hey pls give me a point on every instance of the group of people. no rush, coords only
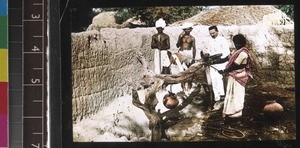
(236, 65)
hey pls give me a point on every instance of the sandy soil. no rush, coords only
(121, 121)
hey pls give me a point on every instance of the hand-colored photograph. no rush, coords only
(183, 73)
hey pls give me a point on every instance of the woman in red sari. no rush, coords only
(238, 70)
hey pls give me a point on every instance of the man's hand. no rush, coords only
(208, 62)
(221, 71)
(193, 61)
(182, 34)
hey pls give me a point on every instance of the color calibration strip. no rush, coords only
(3, 74)
(15, 42)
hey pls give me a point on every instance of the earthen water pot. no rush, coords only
(272, 110)
(170, 101)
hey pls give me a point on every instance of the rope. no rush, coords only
(226, 130)
(232, 132)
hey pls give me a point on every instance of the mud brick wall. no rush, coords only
(103, 64)
(104, 61)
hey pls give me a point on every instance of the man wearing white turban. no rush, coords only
(186, 43)
(161, 43)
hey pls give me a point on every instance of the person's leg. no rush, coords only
(234, 102)
(209, 90)
(217, 84)
(156, 61)
(218, 88)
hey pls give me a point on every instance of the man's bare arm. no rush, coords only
(179, 41)
(153, 43)
(194, 48)
(168, 43)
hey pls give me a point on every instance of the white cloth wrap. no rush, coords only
(216, 80)
(234, 99)
(159, 63)
(187, 55)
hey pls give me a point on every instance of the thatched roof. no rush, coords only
(238, 15)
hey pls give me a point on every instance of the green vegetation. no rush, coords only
(150, 14)
(82, 17)
(287, 9)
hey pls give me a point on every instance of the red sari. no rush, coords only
(241, 79)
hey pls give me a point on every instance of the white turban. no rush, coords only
(160, 23)
(187, 25)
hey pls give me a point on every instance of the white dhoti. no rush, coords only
(216, 80)
(161, 59)
(234, 99)
(187, 55)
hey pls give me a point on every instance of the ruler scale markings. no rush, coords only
(33, 117)
(16, 42)
(36, 146)
(37, 101)
(38, 4)
(15, 26)
(37, 68)
(36, 52)
(15, 89)
(33, 83)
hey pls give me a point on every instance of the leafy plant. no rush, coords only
(287, 9)
(149, 15)
(123, 14)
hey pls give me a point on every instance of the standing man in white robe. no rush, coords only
(216, 45)
(161, 44)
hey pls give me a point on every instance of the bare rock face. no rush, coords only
(104, 20)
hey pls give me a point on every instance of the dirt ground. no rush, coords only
(254, 125)
(198, 125)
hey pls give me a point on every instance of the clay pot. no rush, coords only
(170, 101)
(272, 110)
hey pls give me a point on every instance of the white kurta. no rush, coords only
(217, 46)
(163, 61)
